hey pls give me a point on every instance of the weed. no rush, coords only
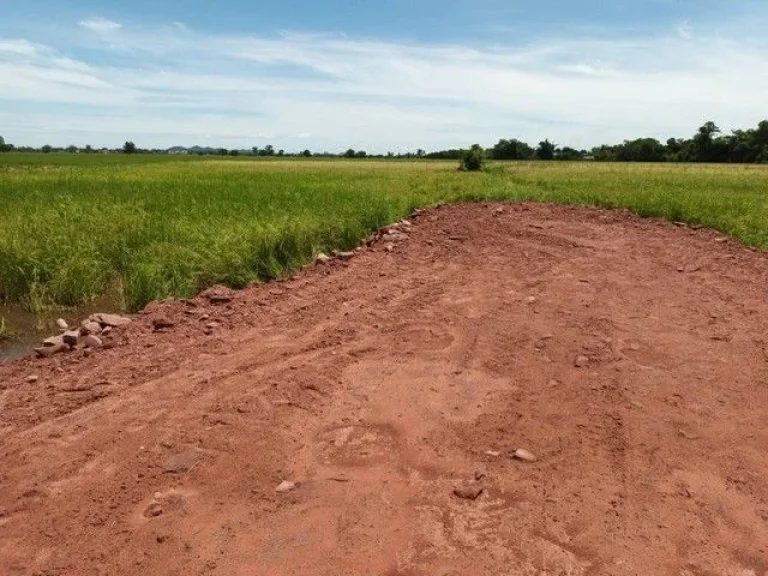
(6, 332)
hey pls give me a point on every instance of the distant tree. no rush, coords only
(255, 150)
(674, 149)
(708, 129)
(546, 150)
(702, 143)
(760, 136)
(129, 148)
(269, 150)
(88, 149)
(234, 152)
(281, 152)
(642, 150)
(2, 141)
(511, 150)
(361, 154)
(473, 160)
(306, 153)
(569, 154)
(349, 153)
(47, 149)
(420, 153)
(221, 152)
(72, 149)
(5, 147)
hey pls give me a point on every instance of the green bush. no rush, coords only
(473, 160)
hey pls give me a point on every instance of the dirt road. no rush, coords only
(385, 392)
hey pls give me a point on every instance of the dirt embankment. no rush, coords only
(384, 396)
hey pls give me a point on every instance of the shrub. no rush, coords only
(473, 160)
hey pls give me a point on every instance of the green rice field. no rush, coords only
(131, 229)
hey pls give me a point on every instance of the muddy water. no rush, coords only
(28, 330)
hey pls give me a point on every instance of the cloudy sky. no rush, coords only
(375, 75)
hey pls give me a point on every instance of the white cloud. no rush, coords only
(685, 30)
(332, 92)
(100, 25)
(19, 47)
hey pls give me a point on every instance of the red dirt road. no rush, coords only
(381, 385)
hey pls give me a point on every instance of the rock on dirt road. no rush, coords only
(395, 386)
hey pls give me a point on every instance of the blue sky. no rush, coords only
(377, 75)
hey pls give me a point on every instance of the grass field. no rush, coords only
(136, 228)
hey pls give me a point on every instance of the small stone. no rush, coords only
(218, 295)
(112, 320)
(32, 378)
(680, 269)
(106, 330)
(180, 463)
(688, 435)
(161, 538)
(91, 341)
(530, 300)
(389, 247)
(322, 258)
(211, 325)
(493, 453)
(47, 351)
(524, 455)
(345, 255)
(153, 510)
(90, 327)
(721, 239)
(394, 236)
(498, 211)
(468, 492)
(54, 341)
(285, 486)
(62, 324)
(70, 338)
(581, 361)
(160, 324)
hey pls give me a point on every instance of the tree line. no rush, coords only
(708, 144)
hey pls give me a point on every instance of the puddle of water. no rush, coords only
(29, 330)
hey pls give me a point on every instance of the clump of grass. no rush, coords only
(6, 332)
(149, 227)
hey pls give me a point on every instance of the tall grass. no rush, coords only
(6, 332)
(138, 228)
